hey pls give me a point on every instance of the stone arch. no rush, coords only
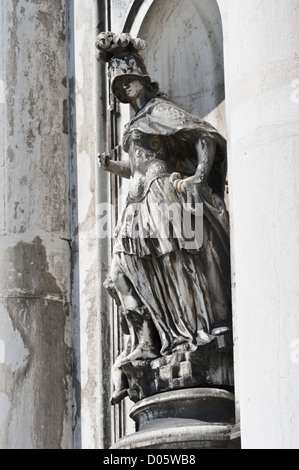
(184, 53)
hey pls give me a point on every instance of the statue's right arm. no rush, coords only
(122, 169)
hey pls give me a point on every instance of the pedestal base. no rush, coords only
(198, 418)
(211, 365)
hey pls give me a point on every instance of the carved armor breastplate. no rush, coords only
(144, 175)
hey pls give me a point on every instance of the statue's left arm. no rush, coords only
(205, 148)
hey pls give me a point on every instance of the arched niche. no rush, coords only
(184, 52)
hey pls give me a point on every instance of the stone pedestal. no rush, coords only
(194, 418)
(211, 365)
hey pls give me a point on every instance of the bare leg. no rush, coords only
(123, 288)
(119, 380)
(144, 339)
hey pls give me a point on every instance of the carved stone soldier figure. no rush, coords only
(173, 290)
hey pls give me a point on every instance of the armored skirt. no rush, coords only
(173, 248)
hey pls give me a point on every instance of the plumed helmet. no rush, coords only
(121, 52)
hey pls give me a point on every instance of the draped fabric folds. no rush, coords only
(183, 282)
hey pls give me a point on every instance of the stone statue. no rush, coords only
(170, 273)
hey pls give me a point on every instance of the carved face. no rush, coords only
(128, 89)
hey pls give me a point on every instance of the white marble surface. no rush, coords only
(261, 63)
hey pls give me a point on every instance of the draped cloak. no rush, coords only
(185, 286)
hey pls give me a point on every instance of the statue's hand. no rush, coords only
(183, 184)
(104, 159)
(178, 182)
(175, 178)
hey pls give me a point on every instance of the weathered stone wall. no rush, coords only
(35, 326)
(92, 320)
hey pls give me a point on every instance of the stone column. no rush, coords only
(35, 326)
(262, 73)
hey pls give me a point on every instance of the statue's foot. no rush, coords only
(143, 352)
(222, 330)
(118, 396)
(184, 347)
